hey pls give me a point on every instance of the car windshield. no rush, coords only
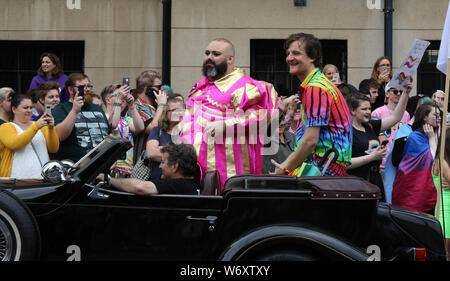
(91, 154)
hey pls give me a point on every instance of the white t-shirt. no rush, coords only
(27, 162)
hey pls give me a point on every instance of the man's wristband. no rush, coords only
(159, 104)
(117, 104)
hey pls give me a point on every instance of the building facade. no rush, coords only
(110, 39)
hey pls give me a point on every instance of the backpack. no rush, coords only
(397, 152)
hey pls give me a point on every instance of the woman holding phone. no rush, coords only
(26, 143)
(367, 151)
(382, 73)
(332, 73)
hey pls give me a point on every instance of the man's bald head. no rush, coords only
(230, 46)
(219, 59)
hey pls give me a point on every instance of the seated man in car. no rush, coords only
(178, 165)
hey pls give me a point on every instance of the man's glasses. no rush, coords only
(386, 65)
(176, 110)
(157, 87)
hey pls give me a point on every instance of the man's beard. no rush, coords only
(88, 98)
(214, 71)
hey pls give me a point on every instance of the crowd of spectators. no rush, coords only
(61, 117)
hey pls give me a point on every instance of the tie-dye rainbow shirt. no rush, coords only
(323, 105)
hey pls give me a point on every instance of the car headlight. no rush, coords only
(54, 171)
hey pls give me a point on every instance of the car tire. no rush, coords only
(19, 233)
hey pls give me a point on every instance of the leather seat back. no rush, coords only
(210, 183)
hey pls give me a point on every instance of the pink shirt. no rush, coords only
(383, 112)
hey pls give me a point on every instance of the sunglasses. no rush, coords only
(396, 92)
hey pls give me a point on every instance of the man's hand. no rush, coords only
(279, 168)
(409, 85)
(161, 97)
(214, 128)
(100, 176)
(292, 107)
(78, 103)
(281, 105)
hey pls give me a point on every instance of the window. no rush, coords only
(268, 62)
(20, 60)
(429, 79)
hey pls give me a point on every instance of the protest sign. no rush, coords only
(409, 65)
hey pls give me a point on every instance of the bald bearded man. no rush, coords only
(226, 114)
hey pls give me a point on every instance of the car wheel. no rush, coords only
(19, 234)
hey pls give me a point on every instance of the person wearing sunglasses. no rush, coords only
(393, 96)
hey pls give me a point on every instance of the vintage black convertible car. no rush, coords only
(69, 216)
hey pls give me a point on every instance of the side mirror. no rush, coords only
(54, 172)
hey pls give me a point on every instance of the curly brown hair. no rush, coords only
(44, 88)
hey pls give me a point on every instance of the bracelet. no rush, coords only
(117, 104)
(159, 104)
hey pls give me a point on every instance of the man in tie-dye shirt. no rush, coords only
(326, 120)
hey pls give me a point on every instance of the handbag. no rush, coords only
(311, 170)
(141, 169)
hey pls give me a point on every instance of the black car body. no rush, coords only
(256, 217)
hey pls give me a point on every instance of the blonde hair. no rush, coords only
(164, 121)
(4, 92)
(328, 66)
(146, 79)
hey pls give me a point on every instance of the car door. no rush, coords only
(124, 226)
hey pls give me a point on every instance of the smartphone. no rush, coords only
(335, 77)
(81, 91)
(384, 143)
(126, 81)
(48, 108)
